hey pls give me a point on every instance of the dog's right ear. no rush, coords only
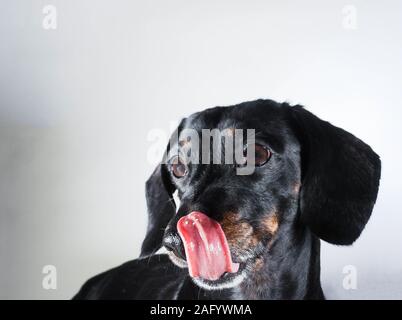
(161, 208)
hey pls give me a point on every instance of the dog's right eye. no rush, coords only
(178, 167)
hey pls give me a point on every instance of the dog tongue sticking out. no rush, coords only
(207, 251)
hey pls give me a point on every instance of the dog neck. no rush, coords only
(289, 269)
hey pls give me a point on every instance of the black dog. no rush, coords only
(311, 181)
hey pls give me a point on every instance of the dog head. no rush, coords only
(306, 174)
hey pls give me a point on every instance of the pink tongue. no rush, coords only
(207, 251)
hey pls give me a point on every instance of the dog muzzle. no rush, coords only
(207, 250)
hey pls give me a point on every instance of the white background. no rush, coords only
(77, 104)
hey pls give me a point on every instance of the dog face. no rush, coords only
(307, 174)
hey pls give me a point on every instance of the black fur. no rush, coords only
(161, 208)
(320, 183)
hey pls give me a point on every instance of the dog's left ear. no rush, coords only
(340, 178)
(161, 208)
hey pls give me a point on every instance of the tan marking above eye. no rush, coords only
(229, 132)
(183, 143)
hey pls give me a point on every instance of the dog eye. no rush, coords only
(262, 154)
(178, 167)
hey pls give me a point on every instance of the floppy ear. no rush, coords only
(161, 208)
(340, 178)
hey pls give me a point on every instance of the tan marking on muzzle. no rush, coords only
(271, 223)
(239, 234)
(258, 264)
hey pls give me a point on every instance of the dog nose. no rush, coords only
(172, 242)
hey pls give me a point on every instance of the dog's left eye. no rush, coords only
(178, 167)
(261, 154)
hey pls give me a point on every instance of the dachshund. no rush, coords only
(248, 236)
